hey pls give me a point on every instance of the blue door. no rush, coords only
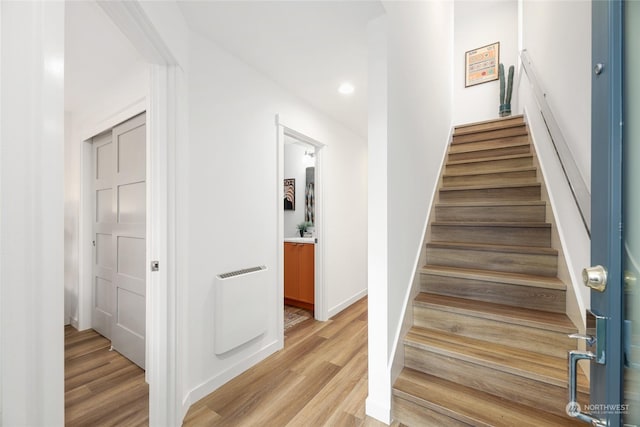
(615, 207)
(631, 211)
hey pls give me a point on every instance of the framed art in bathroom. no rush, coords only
(290, 194)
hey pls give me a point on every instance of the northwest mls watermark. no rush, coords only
(574, 408)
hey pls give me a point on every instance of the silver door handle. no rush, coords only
(573, 407)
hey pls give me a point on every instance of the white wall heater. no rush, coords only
(240, 307)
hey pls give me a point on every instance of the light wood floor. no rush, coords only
(102, 388)
(319, 379)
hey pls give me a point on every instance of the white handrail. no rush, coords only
(579, 189)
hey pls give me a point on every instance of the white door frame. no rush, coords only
(165, 125)
(320, 305)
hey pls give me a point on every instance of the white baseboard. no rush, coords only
(219, 380)
(346, 303)
(380, 412)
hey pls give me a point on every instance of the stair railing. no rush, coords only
(579, 189)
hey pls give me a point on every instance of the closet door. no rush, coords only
(120, 246)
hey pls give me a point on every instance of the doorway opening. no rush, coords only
(299, 231)
(301, 234)
(154, 85)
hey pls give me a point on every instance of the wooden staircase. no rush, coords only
(488, 345)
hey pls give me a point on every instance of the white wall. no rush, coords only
(476, 24)
(31, 213)
(561, 57)
(409, 151)
(233, 201)
(557, 35)
(295, 166)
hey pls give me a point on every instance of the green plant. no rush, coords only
(303, 226)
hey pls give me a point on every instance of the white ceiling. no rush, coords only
(307, 47)
(96, 53)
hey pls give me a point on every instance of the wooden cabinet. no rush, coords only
(299, 274)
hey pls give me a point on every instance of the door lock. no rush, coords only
(595, 278)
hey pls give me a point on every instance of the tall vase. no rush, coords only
(505, 110)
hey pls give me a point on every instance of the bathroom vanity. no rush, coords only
(299, 272)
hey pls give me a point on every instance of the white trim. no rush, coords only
(321, 311)
(378, 411)
(85, 233)
(346, 303)
(222, 378)
(137, 107)
(165, 126)
(280, 236)
(134, 23)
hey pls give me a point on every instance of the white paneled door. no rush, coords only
(119, 287)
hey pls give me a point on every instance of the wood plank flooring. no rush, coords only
(318, 379)
(102, 388)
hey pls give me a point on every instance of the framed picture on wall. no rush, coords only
(290, 194)
(481, 64)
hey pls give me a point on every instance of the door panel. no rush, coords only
(120, 247)
(631, 206)
(104, 221)
(129, 290)
(307, 273)
(606, 203)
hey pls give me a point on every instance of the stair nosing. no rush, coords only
(490, 203)
(540, 250)
(494, 311)
(466, 129)
(457, 128)
(461, 145)
(484, 122)
(489, 159)
(458, 411)
(523, 224)
(490, 186)
(554, 367)
(517, 279)
(495, 171)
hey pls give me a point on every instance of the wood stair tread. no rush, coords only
(489, 186)
(489, 172)
(490, 203)
(468, 405)
(557, 322)
(496, 276)
(538, 367)
(493, 248)
(492, 224)
(489, 159)
(499, 123)
(494, 143)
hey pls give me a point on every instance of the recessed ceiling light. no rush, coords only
(346, 88)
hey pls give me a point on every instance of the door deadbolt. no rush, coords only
(595, 278)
